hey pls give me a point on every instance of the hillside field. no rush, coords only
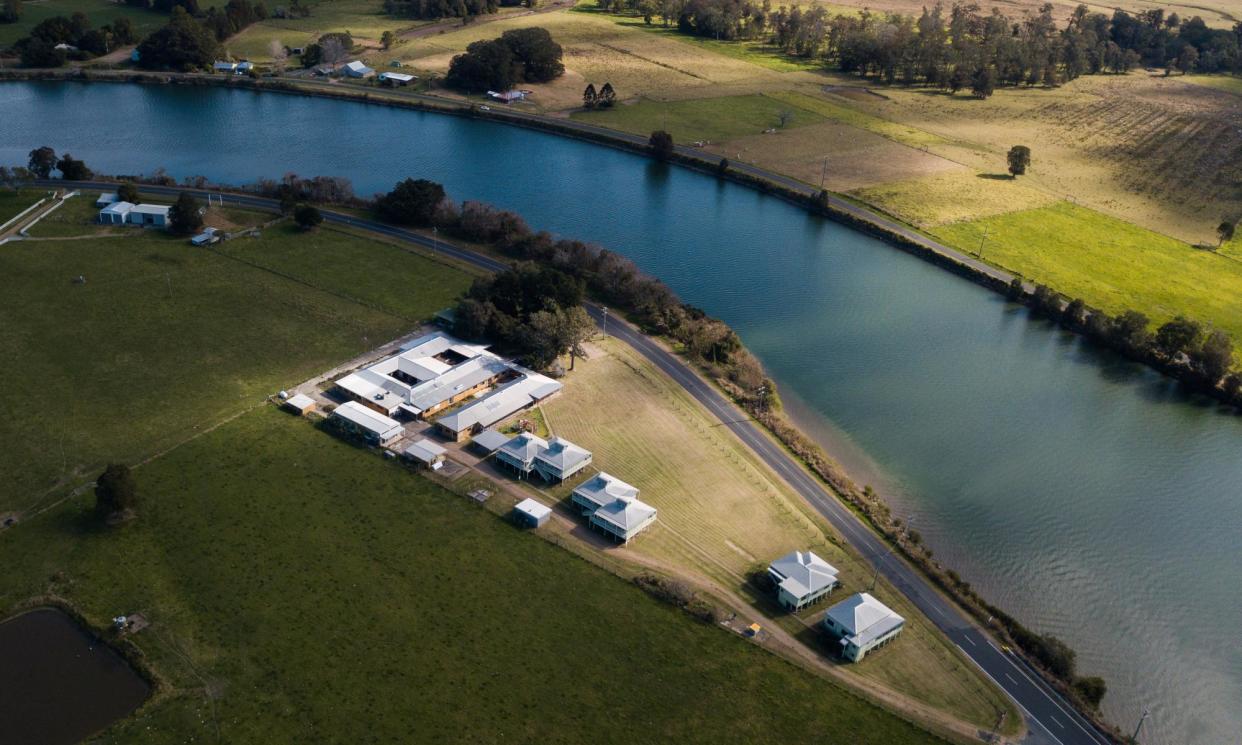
(297, 586)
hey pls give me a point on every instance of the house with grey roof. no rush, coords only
(371, 426)
(427, 453)
(560, 460)
(613, 506)
(802, 578)
(862, 624)
(519, 453)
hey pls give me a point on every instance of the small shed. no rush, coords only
(221, 66)
(205, 238)
(155, 215)
(301, 403)
(106, 199)
(116, 213)
(244, 67)
(426, 452)
(357, 69)
(531, 513)
(396, 78)
(489, 441)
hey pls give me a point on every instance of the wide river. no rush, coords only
(1081, 492)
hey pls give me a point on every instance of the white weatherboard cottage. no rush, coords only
(560, 460)
(862, 623)
(613, 506)
(802, 578)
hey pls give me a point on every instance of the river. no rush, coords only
(1084, 493)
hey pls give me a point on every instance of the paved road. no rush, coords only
(1050, 719)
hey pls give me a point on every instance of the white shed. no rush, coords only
(426, 452)
(154, 215)
(357, 69)
(532, 513)
(301, 403)
(116, 213)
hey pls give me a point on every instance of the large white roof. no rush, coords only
(802, 573)
(150, 209)
(562, 454)
(368, 419)
(425, 450)
(626, 513)
(524, 446)
(864, 618)
(117, 208)
(500, 403)
(605, 488)
(534, 509)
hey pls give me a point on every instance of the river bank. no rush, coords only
(847, 212)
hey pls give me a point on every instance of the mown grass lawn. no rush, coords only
(1111, 264)
(304, 590)
(1228, 83)
(164, 339)
(14, 201)
(99, 12)
(712, 119)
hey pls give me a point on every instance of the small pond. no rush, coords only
(59, 683)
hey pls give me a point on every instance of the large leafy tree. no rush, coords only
(72, 169)
(661, 144)
(184, 44)
(184, 217)
(42, 161)
(1019, 158)
(411, 202)
(536, 52)
(115, 490)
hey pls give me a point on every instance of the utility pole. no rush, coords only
(979, 253)
(605, 324)
(1139, 728)
(823, 176)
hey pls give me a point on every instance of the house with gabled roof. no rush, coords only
(560, 460)
(862, 624)
(802, 578)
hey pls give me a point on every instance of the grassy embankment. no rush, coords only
(1111, 264)
(14, 201)
(724, 514)
(99, 12)
(298, 586)
(165, 340)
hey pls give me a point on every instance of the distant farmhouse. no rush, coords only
(357, 69)
(127, 213)
(862, 624)
(612, 506)
(437, 372)
(802, 578)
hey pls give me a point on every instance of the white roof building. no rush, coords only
(222, 66)
(613, 506)
(398, 78)
(106, 199)
(863, 623)
(801, 578)
(300, 403)
(520, 452)
(426, 452)
(148, 214)
(115, 213)
(499, 404)
(560, 460)
(490, 440)
(370, 425)
(532, 513)
(357, 69)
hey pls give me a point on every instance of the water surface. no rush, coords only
(58, 684)
(1084, 493)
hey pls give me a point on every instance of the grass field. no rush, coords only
(99, 12)
(954, 197)
(1228, 83)
(14, 201)
(713, 119)
(298, 586)
(365, 20)
(162, 327)
(722, 514)
(1109, 263)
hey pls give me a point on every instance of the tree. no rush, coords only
(115, 490)
(1129, 331)
(607, 96)
(661, 144)
(387, 40)
(589, 96)
(42, 161)
(1075, 313)
(39, 53)
(1224, 231)
(722, 167)
(123, 32)
(184, 44)
(127, 192)
(560, 331)
(73, 170)
(1187, 60)
(959, 79)
(983, 82)
(1019, 160)
(1177, 336)
(536, 52)
(184, 217)
(784, 117)
(1215, 355)
(486, 65)
(411, 202)
(1091, 689)
(11, 11)
(307, 216)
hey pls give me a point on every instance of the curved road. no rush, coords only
(1051, 720)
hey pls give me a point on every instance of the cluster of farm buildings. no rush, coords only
(462, 391)
(457, 392)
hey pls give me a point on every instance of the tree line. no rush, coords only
(961, 47)
(39, 48)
